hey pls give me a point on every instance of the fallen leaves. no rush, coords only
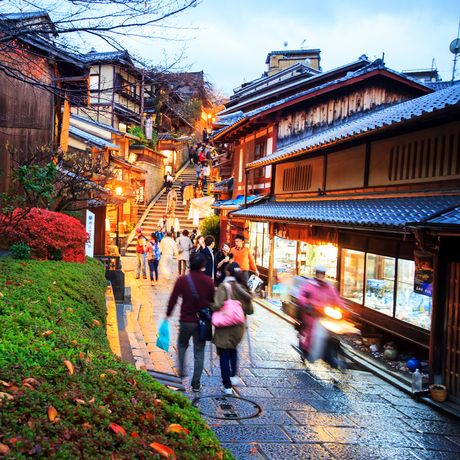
(117, 429)
(52, 413)
(163, 450)
(47, 333)
(5, 396)
(176, 428)
(70, 366)
(96, 323)
(49, 300)
(4, 449)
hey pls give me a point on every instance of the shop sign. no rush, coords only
(423, 275)
(90, 221)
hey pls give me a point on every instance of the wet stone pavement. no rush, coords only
(304, 412)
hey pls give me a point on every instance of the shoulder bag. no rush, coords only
(203, 315)
(231, 312)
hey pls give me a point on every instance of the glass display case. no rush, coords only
(311, 255)
(380, 283)
(259, 242)
(411, 306)
(352, 275)
(284, 266)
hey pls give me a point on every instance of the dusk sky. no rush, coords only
(232, 38)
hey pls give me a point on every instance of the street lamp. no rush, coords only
(118, 192)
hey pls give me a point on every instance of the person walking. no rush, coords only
(223, 257)
(198, 244)
(243, 257)
(197, 291)
(172, 223)
(159, 233)
(153, 258)
(184, 246)
(168, 251)
(208, 252)
(227, 339)
(162, 222)
(171, 201)
(141, 254)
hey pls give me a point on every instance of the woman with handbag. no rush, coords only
(231, 297)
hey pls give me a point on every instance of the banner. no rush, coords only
(423, 275)
(89, 246)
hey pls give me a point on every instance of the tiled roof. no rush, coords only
(238, 201)
(91, 139)
(438, 85)
(450, 217)
(376, 65)
(23, 15)
(109, 56)
(369, 123)
(96, 123)
(292, 83)
(367, 212)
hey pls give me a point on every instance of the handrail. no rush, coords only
(150, 206)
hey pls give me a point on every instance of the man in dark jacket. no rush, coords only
(208, 252)
(197, 292)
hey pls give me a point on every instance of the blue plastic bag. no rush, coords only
(163, 336)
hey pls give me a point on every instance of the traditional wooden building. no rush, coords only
(39, 82)
(360, 173)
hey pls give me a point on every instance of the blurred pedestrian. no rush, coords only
(141, 254)
(184, 246)
(159, 233)
(197, 291)
(168, 253)
(243, 257)
(223, 257)
(228, 338)
(153, 258)
(198, 244)
(171, 201)
(208, 253)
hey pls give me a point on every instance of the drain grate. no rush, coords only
(227, 407)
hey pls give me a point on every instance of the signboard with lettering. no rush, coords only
(90, 223)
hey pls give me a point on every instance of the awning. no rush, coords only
(91, 139)
(127, 164)
(395, 212)
(237, 202)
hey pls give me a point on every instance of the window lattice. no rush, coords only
(297, 178)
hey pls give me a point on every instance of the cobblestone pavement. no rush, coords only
(305, 414)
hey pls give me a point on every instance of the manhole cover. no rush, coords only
(227, 407)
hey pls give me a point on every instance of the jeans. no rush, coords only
(187, 331)
(228, 358)
(183, 266)
(153, 267)
(141, 264)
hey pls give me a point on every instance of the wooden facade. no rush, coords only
(418, 158)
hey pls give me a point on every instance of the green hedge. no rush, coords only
(51, 312)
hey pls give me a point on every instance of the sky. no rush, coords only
(229, 40)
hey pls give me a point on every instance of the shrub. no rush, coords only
(211, 226)
(50, 235)
(63, 393)
(20, 251)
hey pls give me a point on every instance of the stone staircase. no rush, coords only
(150, 223)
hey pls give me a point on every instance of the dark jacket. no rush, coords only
(220, 272)
(231, 336)
(205, 289)
(210, 268)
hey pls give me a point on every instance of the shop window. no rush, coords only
(259, 243)
(380, 283)
(411, 306)
(311, 255)
(352, 275)
(284, 266)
